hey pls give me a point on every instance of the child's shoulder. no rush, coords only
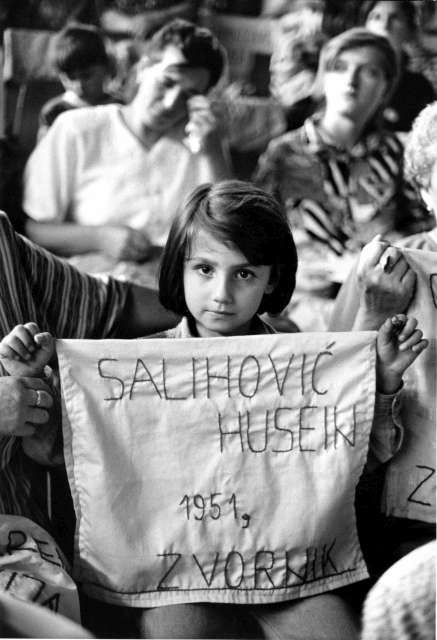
(179, 331)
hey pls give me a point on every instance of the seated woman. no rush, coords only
(398, 22)
(340, 174)
(108, 179)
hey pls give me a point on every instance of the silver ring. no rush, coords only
(38, 398)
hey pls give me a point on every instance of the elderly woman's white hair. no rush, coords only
(421, 147)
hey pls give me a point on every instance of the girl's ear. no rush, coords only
(273, 282)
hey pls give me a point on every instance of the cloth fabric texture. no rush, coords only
(323, 617)
(91, 169)
(36, 286)
(386, 434)
(401, 606)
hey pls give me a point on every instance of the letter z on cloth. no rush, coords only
(217, 470)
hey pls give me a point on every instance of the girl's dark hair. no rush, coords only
(238, 213)
(198, 45)
(407, 7)
(77, 47)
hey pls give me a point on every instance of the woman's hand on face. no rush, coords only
(205, 124)
(123, 243)
(24, 404)
(386, 280)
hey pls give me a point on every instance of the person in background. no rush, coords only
(84, 67)
(340, 174)
(294, 62)
(36, 284)
(367, 296)
(110, 178)
(398, 21)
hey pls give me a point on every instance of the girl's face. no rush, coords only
(355, 86)
(222, 290)
(387, 18)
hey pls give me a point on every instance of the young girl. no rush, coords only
(230, 256)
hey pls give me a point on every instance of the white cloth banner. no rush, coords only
(410, 487)
(217, 470)
(33, 568)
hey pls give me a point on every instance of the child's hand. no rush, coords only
(25, 351)
(397, 346)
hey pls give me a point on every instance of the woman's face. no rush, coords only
(355, 86)
(387, 18)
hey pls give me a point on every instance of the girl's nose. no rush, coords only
(222, 291)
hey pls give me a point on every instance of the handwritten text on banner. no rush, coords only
(217, 470)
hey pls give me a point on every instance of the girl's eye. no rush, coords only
(244, 274)
(204, 269)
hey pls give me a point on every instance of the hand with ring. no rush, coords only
(25, 405)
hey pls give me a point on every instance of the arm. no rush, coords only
(66, 238)
(68, 302)
(398, 345)
(143, 314)
(24, 353)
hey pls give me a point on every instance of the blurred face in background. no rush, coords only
(355, 86)
(387, 18)
(296, 49)
(165, 88)
(88, 83)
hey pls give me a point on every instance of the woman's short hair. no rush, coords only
(354, 39)
(77, 47)
(421, 147)
(198, 45)
(409, 9)
(237, 213)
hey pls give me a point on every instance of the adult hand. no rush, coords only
(205, 122)
(24, 404)
(123, 243)
(25, 351)
(386, 281)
